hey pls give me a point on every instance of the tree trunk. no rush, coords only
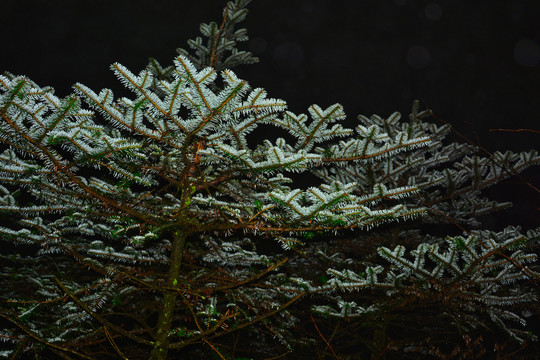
(169, 299)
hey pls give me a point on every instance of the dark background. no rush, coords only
(474, 63)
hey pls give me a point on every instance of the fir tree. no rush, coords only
(144, 226)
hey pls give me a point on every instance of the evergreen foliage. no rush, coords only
(145, 227)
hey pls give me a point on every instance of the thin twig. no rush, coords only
(322, 337)
(113, 344)
(516, 130)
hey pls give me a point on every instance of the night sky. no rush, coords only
(476, 64)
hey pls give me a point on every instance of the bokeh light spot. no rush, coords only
(289, 55)
(527, 53)
(433, 11)
(257, 45)
(418, 57)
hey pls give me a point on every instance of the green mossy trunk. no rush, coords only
(169, 299)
